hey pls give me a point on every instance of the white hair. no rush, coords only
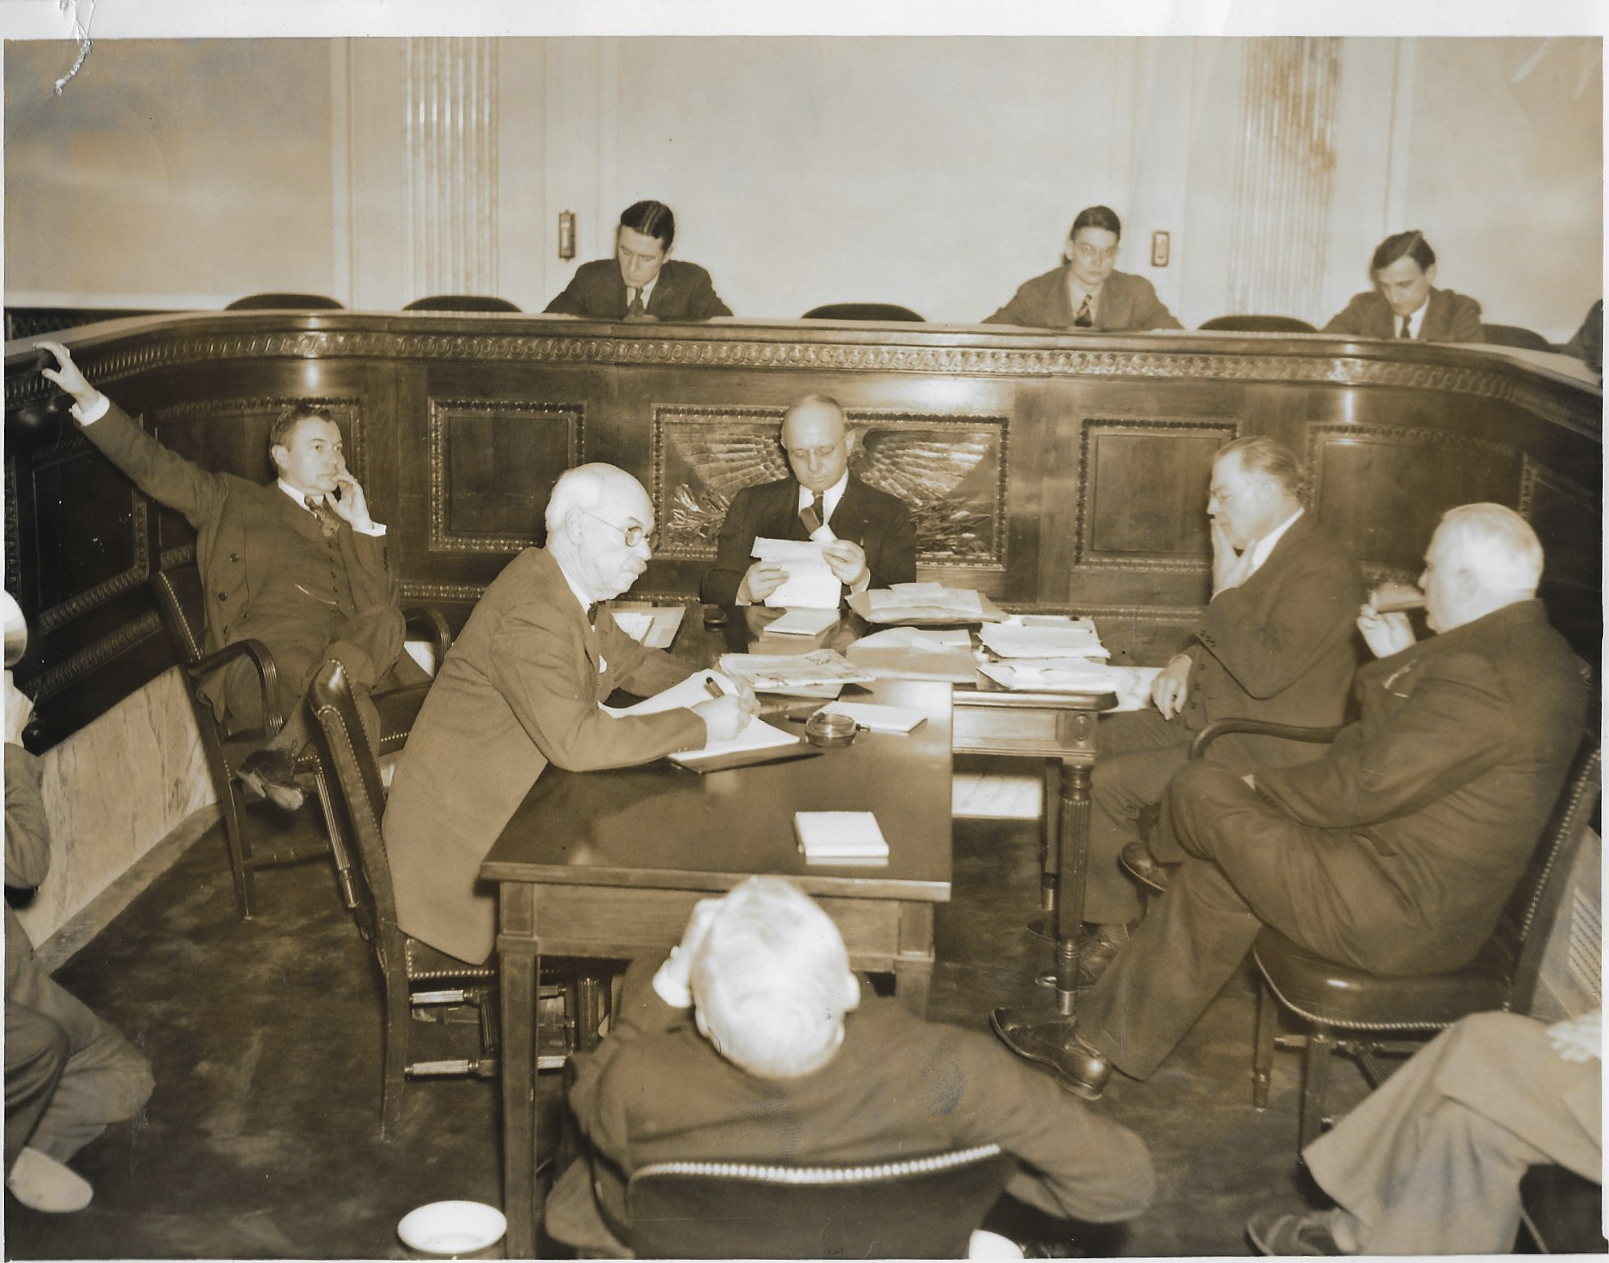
(586, 487)
(771, 981)
(1497, 545)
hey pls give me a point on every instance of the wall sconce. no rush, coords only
(566, 234)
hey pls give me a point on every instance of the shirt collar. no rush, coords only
(580, 596)
(646, 290)
(1263, 547)
(1416, 319)
(829, 498)
(1076, 290)
(300, 496)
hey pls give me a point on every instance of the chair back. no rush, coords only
(1257, 324)
(357, 794)
(178, 593)
(919, 1208)
(862, 311)
(1528, 917)
(1514, 335)
(283, 302)
(460, 302)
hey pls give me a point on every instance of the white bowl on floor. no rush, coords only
(455, 1230)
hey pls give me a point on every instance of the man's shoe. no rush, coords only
(1145, 868)
(1289, 1232)
(271, 774)
(1051, 1040)
(1098, 946)
(39, 1182)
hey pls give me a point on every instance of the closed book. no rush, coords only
(840, 837)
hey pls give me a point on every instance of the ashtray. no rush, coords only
(828, 729)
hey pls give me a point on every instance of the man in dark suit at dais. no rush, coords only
(1404, 303)
(642, 281)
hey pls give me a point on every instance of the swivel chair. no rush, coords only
(282, 302)
(861, 311)
(460, 302)
(1257, 324)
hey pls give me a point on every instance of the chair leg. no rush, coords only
(234, 828)
(338, 849)
(1262, 1057)
(1315, 1081)
(398, 1013)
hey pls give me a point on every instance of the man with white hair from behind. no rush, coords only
(752, 1042)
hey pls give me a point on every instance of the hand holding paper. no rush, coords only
(810, 581)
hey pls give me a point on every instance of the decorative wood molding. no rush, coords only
(57, 677)
(415, 591)
(1319, 435)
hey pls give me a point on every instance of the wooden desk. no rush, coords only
(610, 864)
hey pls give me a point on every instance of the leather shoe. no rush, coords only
(271, 774)
(1051, 1040)
(1309, 1233)
(1098, 946)
(1145, 868)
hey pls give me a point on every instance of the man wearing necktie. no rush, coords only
(642, 281)
(298, 563)
(1403, 303)
(868, 534)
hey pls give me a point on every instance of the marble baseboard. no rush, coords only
(112, 792)
(996, 796)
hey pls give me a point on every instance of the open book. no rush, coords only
(757, 735)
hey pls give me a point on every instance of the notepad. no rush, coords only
(840, 837)
(877, 717)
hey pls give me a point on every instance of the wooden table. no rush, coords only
(609, 865)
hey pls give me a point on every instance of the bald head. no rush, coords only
(599, 520)
(816, 438)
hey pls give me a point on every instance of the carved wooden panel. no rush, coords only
(1568, 520)
(950, 470)
(1382, 489)
(492, 464)
(1143, 493)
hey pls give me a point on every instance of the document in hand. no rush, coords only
(755, 735)
(810, 584)
(840, 837)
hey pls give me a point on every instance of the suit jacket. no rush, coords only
(1449, 317)
(878, 522)
(1126, 302)
(898, 1087)
(1282, 647)
(519, 689)
(682, 292)
(1441, 788)
(242, 532)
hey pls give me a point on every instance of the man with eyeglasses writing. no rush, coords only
(520, 689)
(1085, 292)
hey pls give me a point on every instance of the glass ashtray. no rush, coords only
(828, 729)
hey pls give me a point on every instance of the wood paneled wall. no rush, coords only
(1049, 471)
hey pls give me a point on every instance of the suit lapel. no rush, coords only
(1062, 300)
(664, 287)
(1112, 312)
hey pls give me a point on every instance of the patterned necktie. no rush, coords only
(636, 308)
(1086, 315)
(327, 521)
(1402, 327)
(812, 515)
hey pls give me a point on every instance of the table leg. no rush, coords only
(1077, 734)
(1050, 836)
(913, 967)
(519, 966)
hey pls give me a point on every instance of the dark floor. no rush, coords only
(262, 1137)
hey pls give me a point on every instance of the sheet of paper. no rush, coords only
(810, 584)
(655, 627)
(802, 622)
(915, 603)
(909, 653)
(755, 735)
(783, 672)
(877, 717)
(1075, 638)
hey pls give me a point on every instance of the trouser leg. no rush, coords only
(36, 1055)
(1139, 754)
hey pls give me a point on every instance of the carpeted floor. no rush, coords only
(262, 1137)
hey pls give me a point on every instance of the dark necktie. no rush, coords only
(327, 521)
(1086, 315)
(636, 308)
(1402, 327)
(812, 515)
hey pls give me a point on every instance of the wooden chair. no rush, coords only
(1257, 324)
(460, 302)
(179, 596)
(917, 1208)
(419, 981)
(1368, 1009)
(285, 302)
(862, 311)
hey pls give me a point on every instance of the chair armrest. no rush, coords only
(1291, 732)
(431, 621)
(267, 675)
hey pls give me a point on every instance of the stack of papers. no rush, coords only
(788, 672)
(840, 837)
(810, 584)
(756, 735)
(1044, 638)
(877, 717)
(905, 653)
(802, 622)
(907, 603)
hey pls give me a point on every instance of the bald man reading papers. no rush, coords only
(519, 690)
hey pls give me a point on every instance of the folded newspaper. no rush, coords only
(784, 671)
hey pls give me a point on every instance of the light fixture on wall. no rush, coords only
(566, 234)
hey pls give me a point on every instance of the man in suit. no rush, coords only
(868, 535)
(752, 1043)
(1085, 293)
(1431, 1161)
(1276, 643)
(520, 689)
(69, 1073)
(642, 281)
(1394, 852)
(1403, 303)
(299, 564)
